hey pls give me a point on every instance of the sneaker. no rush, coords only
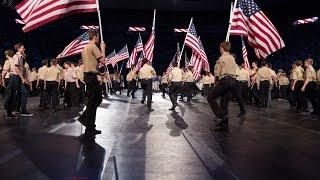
(11, 116)
(26, 114)
(92, 132)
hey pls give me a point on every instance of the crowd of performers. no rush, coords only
(67, 84)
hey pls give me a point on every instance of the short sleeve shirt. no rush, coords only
(90, 56)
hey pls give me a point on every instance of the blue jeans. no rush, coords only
(10, 100)
(22, 98)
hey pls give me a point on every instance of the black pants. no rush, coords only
(174, 89)
(116, 86)
(283, 91)
(132, 87)
(243, 90)
(302, 103)
(10, 101)
(94, 100)
(52, 89)
(146, 85)
(264, 89)
(206, 90)
(42, 94)
(82, 93)
(72, 94)
(189, 89)
(311, 94)
(164, 87)
(254, 95)
(224, 88)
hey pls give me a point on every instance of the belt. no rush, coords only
(228, 76)
(91, 73)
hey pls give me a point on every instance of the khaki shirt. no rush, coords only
(228, 65)
(132, 75)
(318, 75)
(283, 81)
(188, 76)
(33, 76)
(17, 60)
(80, 73)
(116, 78)
(206, 80)
(311, 74)
(217, 68)
(176, 75)
(297, 73)
(52, 74)
(7, 67)
(264, 74)
(164, 79)
(90, 56)
(146, 72)
(42, 72)
(70, 75)
(243, 75)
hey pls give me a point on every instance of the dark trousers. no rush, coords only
(311, 94)
(42, 94)
(82, 93)
(283, 91)
(116, 86)
(52, 89)
(72, 94)
(94, 100)
(189, 89)
(164, 87)
(264, 90)
(22, 98)
(224, 88)
(146, 85)
(243, 90)
(14, 85)
(174, 89)
(132, 87)
(302, 103)
(205, 90)
(34, 88)
(254, 95)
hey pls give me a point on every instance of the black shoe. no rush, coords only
(142, 101)
(133, 97)
(128, 95)
(92, 132)
(224, 128)
(223, 121)
(26, 114)
(173, 108)
(81, 119)
(314, 113)
(242, 114)
(11, 116)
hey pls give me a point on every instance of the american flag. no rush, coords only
(36, 13)
(149, 47)
(186, 59)
(245, 55)
(306, 21)
(197, 62)
(123, 54)
(180, 30)
(139, 63)
(138, 48)
(137, 29)
(76, 46)
(249, 20)
(89, 27)
(192, 39)
(204, 57)
(112, 58)
(169, 69)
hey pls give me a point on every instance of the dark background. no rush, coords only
(210, 17)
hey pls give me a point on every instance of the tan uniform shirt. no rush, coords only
(116, 78)
(70, 75)
(243, 75)
(33, 76)
(80, 73)
(283, 81)
(132, 75)
(264, 74)
(297, 73)
(17, 60)
(164, 79)
(52, 74)
(188, 76)
(90, 56)
(311, 74)
(228, 65)
(7, 67)
(217, 68)
(206, 80)
(318, 75)
(176, 75)
(42, 72)
(146, 72)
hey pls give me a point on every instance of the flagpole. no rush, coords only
(99, 17)
(154, 20)
(233, 7)
(184, 43)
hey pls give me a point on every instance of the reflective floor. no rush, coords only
(275, 143)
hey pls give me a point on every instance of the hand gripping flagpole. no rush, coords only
(233, 7)
(184, 43)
